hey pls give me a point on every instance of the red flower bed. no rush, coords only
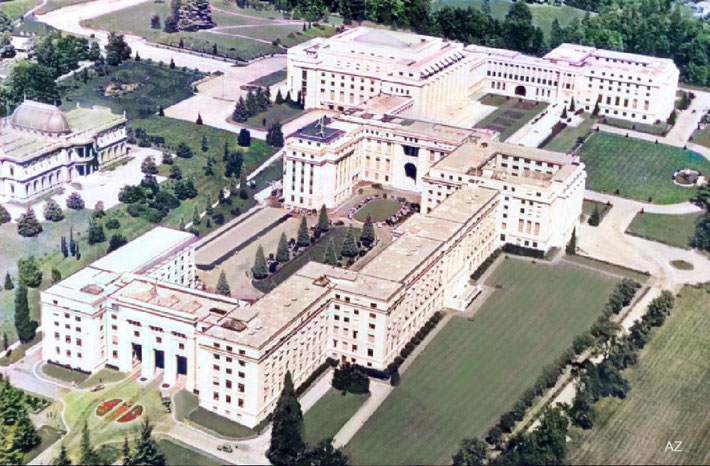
(117, 412)
(107, 406)
(135, 412)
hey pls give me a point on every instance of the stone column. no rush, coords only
(148, 363)
(170, 362)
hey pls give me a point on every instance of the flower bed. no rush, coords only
(107, 406)
(117, 412)
(135, 412)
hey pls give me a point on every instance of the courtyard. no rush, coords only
(638, 169)
(510, 115)
(476, 368)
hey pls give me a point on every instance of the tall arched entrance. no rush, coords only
(410, 170)
(520, 90)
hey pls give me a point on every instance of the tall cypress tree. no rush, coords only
(367, 237)
(303, 239)
(323, 221)
(282, 254)
(24, 326)
(286, 440)
(8, 282)
(87, 453)
(147, 451)
(222, 285)
(127, 460)
(63, 458)
(259, 270)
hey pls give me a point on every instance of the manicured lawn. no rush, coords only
(104, 376)
(668, 400)
(474, 371)
(177, 453)
(510, 116)
(218, 424)
(16, 8)
(702, 137)
(589, 206)
(62, 373)
(494, 100)
(48, 436)
(657, 129)
(52, 5)
(314, 253)
(158, 86)
(274, 113)
(609, 268)
(329, 415)
(271, 78)
(675, 230)
(638, 169)
(567, 138)
(379, 209)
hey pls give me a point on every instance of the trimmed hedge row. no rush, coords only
(523, 251)
(478, 273)
(330, 362)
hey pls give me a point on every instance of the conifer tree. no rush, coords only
(595, 112)
(286, 432)
(52, 211)
(28, 225)
(181, 227)
(330, 258)
(198, 121)
(243, 188)
(63, 458)
(367, 237)
(282, 254)
(87, 455)
(63, 246)
(8, 282)
(78, 252)
(244, 138)
(240, 113)
(323, 221)
(572, 107)
(126, 453)
(4, 215)
(350, 248)
(259, 270)
(146, 449)
(196, 216)
(203, 144)
(303, 239)
(595, 218)
(279, 98)
(24, 326)
(29, 272)
(56, 275)
(222, 285)
(571, 247)
(225, 152)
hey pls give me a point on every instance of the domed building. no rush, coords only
(42, 147)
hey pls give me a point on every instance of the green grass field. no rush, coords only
(675, 230)
(567, 138)
(510, 116)
(177, 453)
(329, 415)
(274, 113)
(668, 400)
(543, 14)
(158, 86)
(51, 5)
(16, 8)
(379, 209)
(702, 137)
(473, 371)
(638, 169)
(657, 129)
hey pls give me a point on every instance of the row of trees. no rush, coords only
(18, 434)
(701, 238)
(256, 102)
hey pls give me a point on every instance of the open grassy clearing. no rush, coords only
(568, 137)
(51, 5)
(274, 113)
(667, 400)
(638, 169)
(16, 8)
(177, 453)
(510, 116)
(329, 415)
(379, 209)
(543, 14)
(157, 86)
(639, 276)
(675, 230)
(474, 370)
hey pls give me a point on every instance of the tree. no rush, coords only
(8, 282)
(303, 239)
(259, 270)
(595, 112)
(282, 254)
(27, 224)
(52, 211)
(323, 453)
(183, 151)
(198, 121)
(28, 272)
(287, 427)
(75, 202)
(63, 458)
(96, 233)
(56, 275)
(240, 113)
(274, 136)
(564, 113)
(330, 258)
(323, 220)
(571, 247)
(87, 454)
(4, 215)
(175, 172)
(5, 342)
(155, 22)
(116, 242)
(203, 145)
(244, 139)
(24, 326)
(595, 218)
(243, 187)
(471, 452)
(148, 166)
(26, 436)
(126, 453)
(582, 413)
(279, 98)
(572, 107)
(117, 50)
(146, 449)
(94, 51)
(367, 237)
(350, 248)
(30, 80)
(196, 220)
(222, 285)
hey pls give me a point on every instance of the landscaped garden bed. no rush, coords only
(116, 413)
(382, 209)
(131, 415)
(107, 406)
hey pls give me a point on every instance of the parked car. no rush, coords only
(225, 448)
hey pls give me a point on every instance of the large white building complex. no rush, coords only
(346, 70)
(42, 147)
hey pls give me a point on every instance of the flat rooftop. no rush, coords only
(145, 251)
(88, 286)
